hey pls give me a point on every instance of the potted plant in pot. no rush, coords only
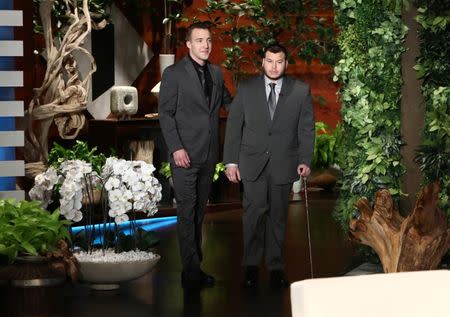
(30, 238)
(127, 190)
(34, 245)
(173, 10)
(172, 14)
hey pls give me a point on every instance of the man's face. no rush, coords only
(274, 65)
(199, 45)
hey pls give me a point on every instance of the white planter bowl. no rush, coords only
(107, 272)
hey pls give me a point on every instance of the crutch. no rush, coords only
(307, 227)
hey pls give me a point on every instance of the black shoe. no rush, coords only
(278, 280)
(250, 276)
(207, 280)
(196, 279)
(190, 280)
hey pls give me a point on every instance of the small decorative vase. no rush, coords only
(106, 271)
(164, 61)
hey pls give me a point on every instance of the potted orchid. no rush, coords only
(126, 188)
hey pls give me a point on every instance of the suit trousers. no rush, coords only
(264, 220)
(191, 186)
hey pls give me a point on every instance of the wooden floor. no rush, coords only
(160, 294)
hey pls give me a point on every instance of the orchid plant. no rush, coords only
(125, 188)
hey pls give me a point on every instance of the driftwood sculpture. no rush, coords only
(62, 98)
(417, 242)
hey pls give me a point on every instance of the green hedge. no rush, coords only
(433, 67)
(371, 43)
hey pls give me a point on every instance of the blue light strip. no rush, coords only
(146, 224)
(6, 94)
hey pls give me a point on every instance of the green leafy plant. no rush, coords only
(80, 151)
(173, 10)
(220, 168)
(369, 69)
(433, 67)
(28, 229)
(164, 170)
(325, 145)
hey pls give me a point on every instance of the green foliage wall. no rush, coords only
(371, 43)
(434, 68)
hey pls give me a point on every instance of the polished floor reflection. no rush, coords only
(160, 294)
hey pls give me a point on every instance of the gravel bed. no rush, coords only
(109, 256)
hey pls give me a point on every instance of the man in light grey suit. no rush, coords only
(191, 94)
(269, 142)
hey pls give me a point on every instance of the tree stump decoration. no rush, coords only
(417, 242)
(62, 98)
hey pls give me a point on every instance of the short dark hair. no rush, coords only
(197, 25)
(275, 48)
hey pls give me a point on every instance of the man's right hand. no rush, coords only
(181, 158)
(233, 174)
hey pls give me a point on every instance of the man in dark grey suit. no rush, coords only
(269, 142)
(191, 94)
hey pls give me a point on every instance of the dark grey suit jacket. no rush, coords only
(252, 138)
(186, 120)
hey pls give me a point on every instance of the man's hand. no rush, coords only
(181, 158)
(303, 170)
(233, 174)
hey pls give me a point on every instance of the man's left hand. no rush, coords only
(303, 170)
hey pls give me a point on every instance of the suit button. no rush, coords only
(270, 133)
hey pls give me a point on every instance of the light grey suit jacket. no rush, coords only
(252, 139)
(186, 120)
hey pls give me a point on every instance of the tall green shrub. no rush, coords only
(434, 69)
(371, 43)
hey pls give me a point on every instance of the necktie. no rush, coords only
(201, 73)
(272, 101)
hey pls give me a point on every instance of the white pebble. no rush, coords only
(110, 256)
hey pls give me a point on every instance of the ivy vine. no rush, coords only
(433, 67)
(371, 43)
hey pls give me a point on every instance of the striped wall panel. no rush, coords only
(10, 78)
(11, 108)
(11, 48)
(10, 17)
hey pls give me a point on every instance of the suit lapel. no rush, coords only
(193, 77)
(286, 89)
